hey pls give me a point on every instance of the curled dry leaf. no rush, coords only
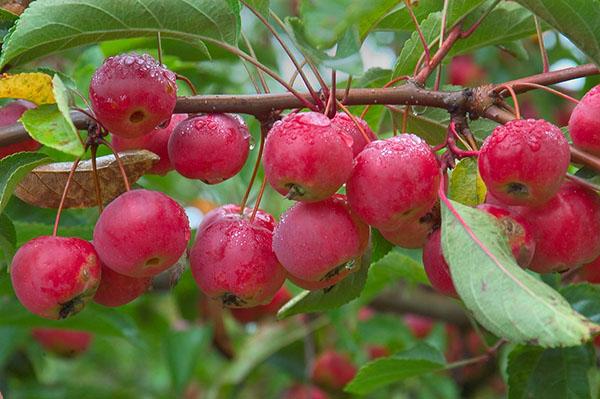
(44, 185)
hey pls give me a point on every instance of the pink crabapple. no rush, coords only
(343, 122)
(117, 289)
(436, 268)
(393, 181)
(584, 125)
(306, 158)
(132, 94)
(156, 141)
(54, 277)
(333, 370)
(232, 260)
(257, 313)
(299, 391)
(63, 342)
(414, 233)
(210, 147)
(141, 233)
(318, 242)
(9, 115)
(524, 161)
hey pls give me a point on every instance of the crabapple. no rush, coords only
(156, 141)
(344, 123)
(414, 233)
(377, 351)
(463, 71)
(393, 181)
(318, 243)
(333, 370)
(210, 147)
(247, 315)
(420, 326)
(132, 94)
(9, 115)
(141, 233)
(436, 268)
(54, 277)
(261, 218)
(117, 289)
(524, 161)
(232, 260)
(61, 341)
(566, 229)
(517, 229)
(591, 272)
(299, 391)
(584, 125)
(306, 158)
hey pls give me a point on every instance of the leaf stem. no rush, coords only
(543, 52)
(419, 31)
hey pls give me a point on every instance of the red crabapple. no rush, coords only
(517, 229)
(62, 342)
(211, 147)
(377, 351)
(117, 289)
(141, 233)
(566, 229)
(156, 141)
(261, 218)
(591, 272)
(54, 277)
(344, 123)
(9, 115)
(584, 125)
(319, 243)
(393, 181)
(463, 71)
(420, 326)
(333, 370)
(132, 94)
(232, 260)
(256, 313)
(414, 233)
(436, 268)
(306, 158)
(524, 161)
(299, 391)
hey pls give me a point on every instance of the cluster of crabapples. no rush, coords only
(242, 257)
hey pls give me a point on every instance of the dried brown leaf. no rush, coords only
(43, 187)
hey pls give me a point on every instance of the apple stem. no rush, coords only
(159, 47)
(478, 359)
(93, 150)
(330, 108)
(119, 163)
(513, 94)
(419, 31)
(258, 199)
(64, 194)
(540, 37)
(261, 78)
(353, 118)
(263, 134)
(187, 82)
(285, 48)
(347, 91)
(548, 89)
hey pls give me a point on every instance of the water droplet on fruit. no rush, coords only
(252, 143)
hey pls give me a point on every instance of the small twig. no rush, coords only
(187, 82)
(477, 359)
(477, 23)
(405, 118)
(159, 48)
(295, 74)
(419, 31)
(330, 108)
(543, 52)
(388, 84)
(549, 90)
(347, 91)
(438, 76)
(258, 199)
(263, 134)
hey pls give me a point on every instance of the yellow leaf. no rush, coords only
(466, 186)
(33, 86)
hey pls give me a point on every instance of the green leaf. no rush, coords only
(8, 240)
(416, 361)
(13, 168)
(465, 184)
(7, 20)
(504, 298)
(585, 299)
(506, 23)
(183, 351)
(53, 25)
(413, 47)
(558, 373)
(261, 6)
(380, 246)
(347, 58)
(331, 298)
(576, 19)
(48, 125)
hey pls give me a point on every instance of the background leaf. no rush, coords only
(52, 25)
(182, 348)
(530, 311)
(466, 186)
(14, 168)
